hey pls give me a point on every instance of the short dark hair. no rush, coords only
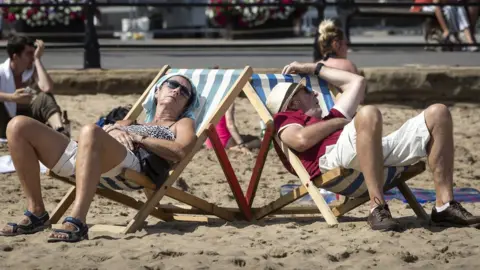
(16, 44)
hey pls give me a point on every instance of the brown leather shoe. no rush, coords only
(454, 216)
(380, 219)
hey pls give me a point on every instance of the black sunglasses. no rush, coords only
(172, 84)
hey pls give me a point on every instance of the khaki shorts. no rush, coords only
(42, 107)
(66, 164)
(403, 147)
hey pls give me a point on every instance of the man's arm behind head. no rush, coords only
(344, 75)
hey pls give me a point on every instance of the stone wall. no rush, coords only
(384, 84)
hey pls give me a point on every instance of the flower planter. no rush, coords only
(270, 29)
(52, 33)
(257, 22)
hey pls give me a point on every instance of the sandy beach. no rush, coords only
(281, 243)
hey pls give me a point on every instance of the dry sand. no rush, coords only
(269, 244)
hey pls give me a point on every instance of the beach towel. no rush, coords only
(6, 165)
(428, 195)
(422, 195)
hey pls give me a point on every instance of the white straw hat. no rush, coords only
(281, 95)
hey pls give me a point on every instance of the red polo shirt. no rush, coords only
(311, 156)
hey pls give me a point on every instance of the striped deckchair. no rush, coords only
(218, 90)
(342, 181)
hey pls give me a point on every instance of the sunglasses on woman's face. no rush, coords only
(172, 84)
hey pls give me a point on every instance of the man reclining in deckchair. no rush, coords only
(336, 141)
(169, 132)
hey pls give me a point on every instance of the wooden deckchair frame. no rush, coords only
(152, 206)
(309, 186)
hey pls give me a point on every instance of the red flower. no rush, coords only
(11, 17)
(29, 13)
(221, 19)
(73, 16)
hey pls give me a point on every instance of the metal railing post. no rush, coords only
(320, 7)
(91, 54)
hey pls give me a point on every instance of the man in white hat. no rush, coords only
(339, 138)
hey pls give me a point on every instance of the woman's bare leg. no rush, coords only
(97, 153)
(30, 141)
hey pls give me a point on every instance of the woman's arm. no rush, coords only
(125, 122)
(118, 124)
(171, 150)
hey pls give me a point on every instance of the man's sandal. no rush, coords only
(35, 224)
(80, 233)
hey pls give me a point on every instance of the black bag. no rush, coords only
(153, 166)
(113, 116)
(117, 114)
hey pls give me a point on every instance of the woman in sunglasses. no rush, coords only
(167, 134)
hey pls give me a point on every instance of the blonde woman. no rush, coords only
(334, 47)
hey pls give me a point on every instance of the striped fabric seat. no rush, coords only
(212, 86)
(352, 185)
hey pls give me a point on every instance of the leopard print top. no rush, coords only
(159, 132)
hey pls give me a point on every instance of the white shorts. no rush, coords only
(404, 146)
(66, 164)
(456, 18)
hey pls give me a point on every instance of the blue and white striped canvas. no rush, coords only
(116, 183)
(212, 86)
(352, 185)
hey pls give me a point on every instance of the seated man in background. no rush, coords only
(453, 20)
(21, 76)
(340, 140)
(333, 44)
